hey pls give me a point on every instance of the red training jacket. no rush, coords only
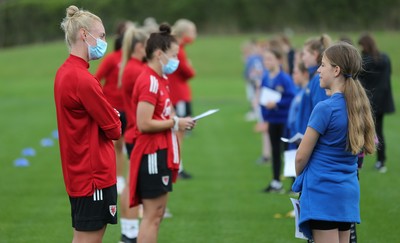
(180, 89)
(87, 124)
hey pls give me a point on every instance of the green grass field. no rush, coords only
(223, 202)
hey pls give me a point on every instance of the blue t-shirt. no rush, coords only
(329, 185)
(312, 95)
(292, 117)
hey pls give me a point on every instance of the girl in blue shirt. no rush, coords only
(311, 56)
(326, 161)
(276, 113)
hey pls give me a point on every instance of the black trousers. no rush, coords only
(275, 133)
(381, 155)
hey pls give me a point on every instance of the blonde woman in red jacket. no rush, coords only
(87, 124)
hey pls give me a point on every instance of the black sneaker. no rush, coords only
(184, 175)
(125, 239)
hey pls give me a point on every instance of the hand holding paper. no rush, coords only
(207, 113)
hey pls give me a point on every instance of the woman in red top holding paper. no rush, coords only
(155, 157)
(87, 124)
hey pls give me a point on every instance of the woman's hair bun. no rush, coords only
(72, 10)
(165, 29)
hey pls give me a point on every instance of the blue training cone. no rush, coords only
(28, 152)
(46, 142)
(21, 162)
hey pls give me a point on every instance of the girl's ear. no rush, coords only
(337, 71)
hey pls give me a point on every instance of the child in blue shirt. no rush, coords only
(326, 161)
(313, 93)
(276, 113)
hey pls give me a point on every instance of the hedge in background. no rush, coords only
(28, 21)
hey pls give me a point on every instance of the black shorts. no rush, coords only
(129, 149)
(122, 118)
(155, 179)
(329, 225)
(94, 212)
(183, 109)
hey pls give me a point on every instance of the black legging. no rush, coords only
(275, 133)
(381, 156)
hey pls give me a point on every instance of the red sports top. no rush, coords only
(109, 71)
(180, 89)
(152, 88)
(131, 72)
(87, 124)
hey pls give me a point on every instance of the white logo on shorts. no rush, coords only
(165, 180)
(113, 210)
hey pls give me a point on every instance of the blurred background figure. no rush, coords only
(107, 74)
(289, 52)
(133, 53)
(185, 33)
(150, 25)
(346, 38)
(301, 78)
(253, 72)
(312, 57)
(376, 79)
(276, 112)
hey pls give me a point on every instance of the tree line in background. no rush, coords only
(29, 21)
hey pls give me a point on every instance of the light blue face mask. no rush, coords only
(171, 65)
(97, 51)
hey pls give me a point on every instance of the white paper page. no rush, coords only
(296, 206)
(289, 169)
(207, 113)
(269, 95)
(295, 139)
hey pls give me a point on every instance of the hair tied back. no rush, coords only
(165, 29)
(347, 75)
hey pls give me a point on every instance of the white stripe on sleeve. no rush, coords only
(153, 84)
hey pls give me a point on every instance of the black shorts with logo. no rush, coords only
(94, 212)
(155, 179)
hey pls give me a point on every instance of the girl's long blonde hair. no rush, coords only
(361, 129)
(132, 36)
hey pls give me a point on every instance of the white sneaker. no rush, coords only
(167, 214)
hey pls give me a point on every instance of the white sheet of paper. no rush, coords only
(269, 95)
(289, 169)
(296, 207)
(207, 113)
(296, 138)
